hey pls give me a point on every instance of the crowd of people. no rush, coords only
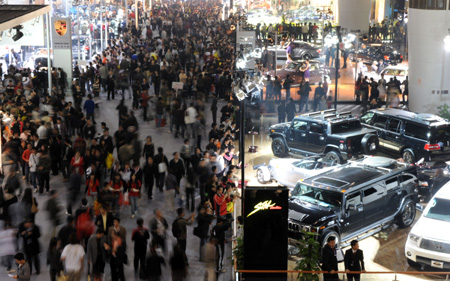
(52, 135)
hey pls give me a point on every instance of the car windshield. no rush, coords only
(318, 196)
(439, 210)
(440, 134)
(342, 127)
(291, 66)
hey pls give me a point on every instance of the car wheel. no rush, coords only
(370, 144)
(279, 148)
(306, 56)
(328, 234)
(260, 176)
(334, 157)
(408, 214)
(408, 156)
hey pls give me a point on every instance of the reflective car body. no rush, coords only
(317, 70)
(369, 53)
(300, 50)
(288, 172)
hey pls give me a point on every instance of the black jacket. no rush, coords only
(203, 224)
(354, 261)
(109, 222)
(329, 261)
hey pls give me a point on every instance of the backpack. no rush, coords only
(176, 229)
(85, 226)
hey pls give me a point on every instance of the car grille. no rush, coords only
(295, 227)
(435, 246)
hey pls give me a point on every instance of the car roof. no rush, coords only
(350, 176)
(423, 118)
(327, 116)
(444, 191)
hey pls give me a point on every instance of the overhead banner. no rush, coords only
(61, 33)
(32, 34)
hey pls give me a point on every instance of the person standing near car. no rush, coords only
(290, 110)
(287, 86)
(329, 260)
(354, 261)
(319, 93)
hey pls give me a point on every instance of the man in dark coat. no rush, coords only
(30, 234)
(290, 110)
(329, 260)
(354, 261)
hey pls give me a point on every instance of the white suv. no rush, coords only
(428, 241)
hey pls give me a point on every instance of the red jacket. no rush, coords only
(78, 167)
(135, 188)
(92, 187)
(220, 204)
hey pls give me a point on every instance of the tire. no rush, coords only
(279, 148)
(306, 56)
(408, 214)
(334, 157)
(328, 234)
(409, 156)
(370, 144)
(260, 176)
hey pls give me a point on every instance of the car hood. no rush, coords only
(280, 126)
(282, 163)
(356, 132)
(427, 228)
(307, 213)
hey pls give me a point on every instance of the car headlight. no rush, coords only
(413, 237)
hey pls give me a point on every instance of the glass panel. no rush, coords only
(440, 4)
(431, 4)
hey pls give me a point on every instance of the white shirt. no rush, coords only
(73, 254)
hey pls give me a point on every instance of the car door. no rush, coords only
(379, 123)
(353, 214)
(393, 194)
(317, 137)
(393, 137)
(297, 136)
(373, 202)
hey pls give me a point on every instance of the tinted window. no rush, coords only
(391, 183)
(439, 209)
(300, 125)
(394, 125)
(380, 121)
(440, 134)
(373, 193)
(316, 128)
(404, 178)
(416, 131)
(353, 199)
(345, 126)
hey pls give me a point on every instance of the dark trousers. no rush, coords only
(144, 108)
(182, 244)
(111, 92)
(149, 182)
(160, 181)
(116, 270)
(214, 115)
(190, 196)
(65, 168)
(139, 259)
(98, 268)
(288, 94)
(158, 240)
(34, 259)
(331, 277)
(352, 277)
(44, 180)
(220, 252)
(199, 141)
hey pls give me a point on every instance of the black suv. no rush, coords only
(369, 53)
(357, 199)
(410, 135)
(338, 136)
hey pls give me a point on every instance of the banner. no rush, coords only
(61, 33)
(33, 34)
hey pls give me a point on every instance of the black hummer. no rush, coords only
(355, 200)
(338, 136)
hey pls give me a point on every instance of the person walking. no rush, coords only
(181, 232)
(89, 108)
(54, 258)
(117, 252)
(354, 261)
(73, 256)
(30, 234)
(218, 232)
(140, 236)
(204, 219)
(329, 260)
(158, 227)
(96, 254)
(178, 264)
(319, 94)
(153, 265)
(290, 110)
(162, 163)
(171, 189)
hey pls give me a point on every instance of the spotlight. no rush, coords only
(19, 34)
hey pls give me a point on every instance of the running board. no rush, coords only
(364, 235)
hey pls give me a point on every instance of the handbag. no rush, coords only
(34, 208)
(162, 167)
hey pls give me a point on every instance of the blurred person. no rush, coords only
(104, 220)
(178, 264)
(117, 253)
(153, 265)
(150, 172)
(162, 163)
(73, 257)
(30, 233)
(171, 189)
(54, 258)
(181, 223)
(329, 261)
(66, 231)
(140, 236)
(158, 229)
(8, 244)
(96, 253)
(204, 219)
(218, 231)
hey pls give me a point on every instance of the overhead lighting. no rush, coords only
(19, 34)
